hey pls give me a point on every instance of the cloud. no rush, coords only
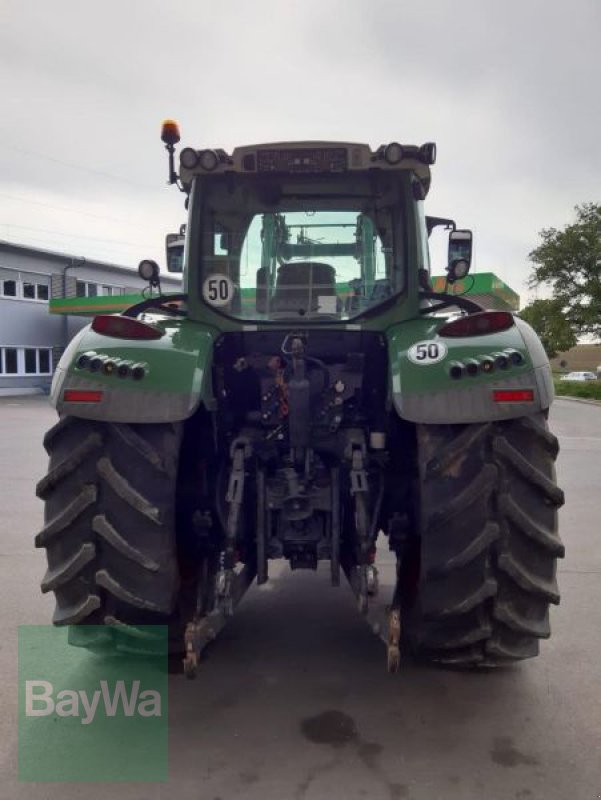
(508, 91)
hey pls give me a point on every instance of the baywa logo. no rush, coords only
(90, 717)
(42, 701)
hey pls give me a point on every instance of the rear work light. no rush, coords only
(81, 396)
(478, 324)
(513, 396)
(124, 327)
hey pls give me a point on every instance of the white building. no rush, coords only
(32, 339)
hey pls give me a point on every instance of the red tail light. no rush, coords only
(513, 396)
(124, 327)
(478, 324)
(81, 396)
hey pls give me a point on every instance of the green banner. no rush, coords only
(87, 716)
(483, 285)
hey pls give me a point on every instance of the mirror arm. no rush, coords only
(154, 302)
(449, 300)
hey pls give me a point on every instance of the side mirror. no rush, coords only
(174, 246)
(460, 255)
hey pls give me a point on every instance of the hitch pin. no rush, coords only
(394, 638)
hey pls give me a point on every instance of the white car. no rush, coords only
(579, 376)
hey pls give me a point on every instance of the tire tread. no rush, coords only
(484, 599)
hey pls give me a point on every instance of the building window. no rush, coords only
(10, 360)
(110, 291)
(31, 359)
(24, 290)
(8, 288)
(35, 291)
(45, 362)
(88, 289)
(25, 361)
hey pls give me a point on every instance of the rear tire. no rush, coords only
(109, 529)
(489, 542)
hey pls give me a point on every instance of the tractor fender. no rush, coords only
(175, 375)
(425, 391)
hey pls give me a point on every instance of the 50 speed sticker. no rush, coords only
(425, 353)
(218, 290)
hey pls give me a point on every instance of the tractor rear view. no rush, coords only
(306, 391)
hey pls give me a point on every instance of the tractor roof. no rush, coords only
(307, 158)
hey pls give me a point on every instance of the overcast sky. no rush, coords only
(508, 90)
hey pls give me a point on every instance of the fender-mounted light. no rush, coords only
(81, 396)
(148, 270)
(513, 396)
(487, 364)
(84, 359)
(478, 324)
(170, 132)
(471, 367)
(124, 327)
(95, 364)
(516, 357)
(501, 360)
(456, 370)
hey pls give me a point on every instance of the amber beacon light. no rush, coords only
(170, 132)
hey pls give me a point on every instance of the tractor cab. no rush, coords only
(291, 256)
(314, 232)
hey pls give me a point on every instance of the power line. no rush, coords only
(114, 255)
(69, 234)
(72, 165)
(69, 210)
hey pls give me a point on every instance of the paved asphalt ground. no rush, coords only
(297, 658)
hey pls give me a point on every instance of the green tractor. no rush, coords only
(306, 393)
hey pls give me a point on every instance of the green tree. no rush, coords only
(548, 319)
(569, 260)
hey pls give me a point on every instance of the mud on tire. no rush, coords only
(489, 541)
(109, 527)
